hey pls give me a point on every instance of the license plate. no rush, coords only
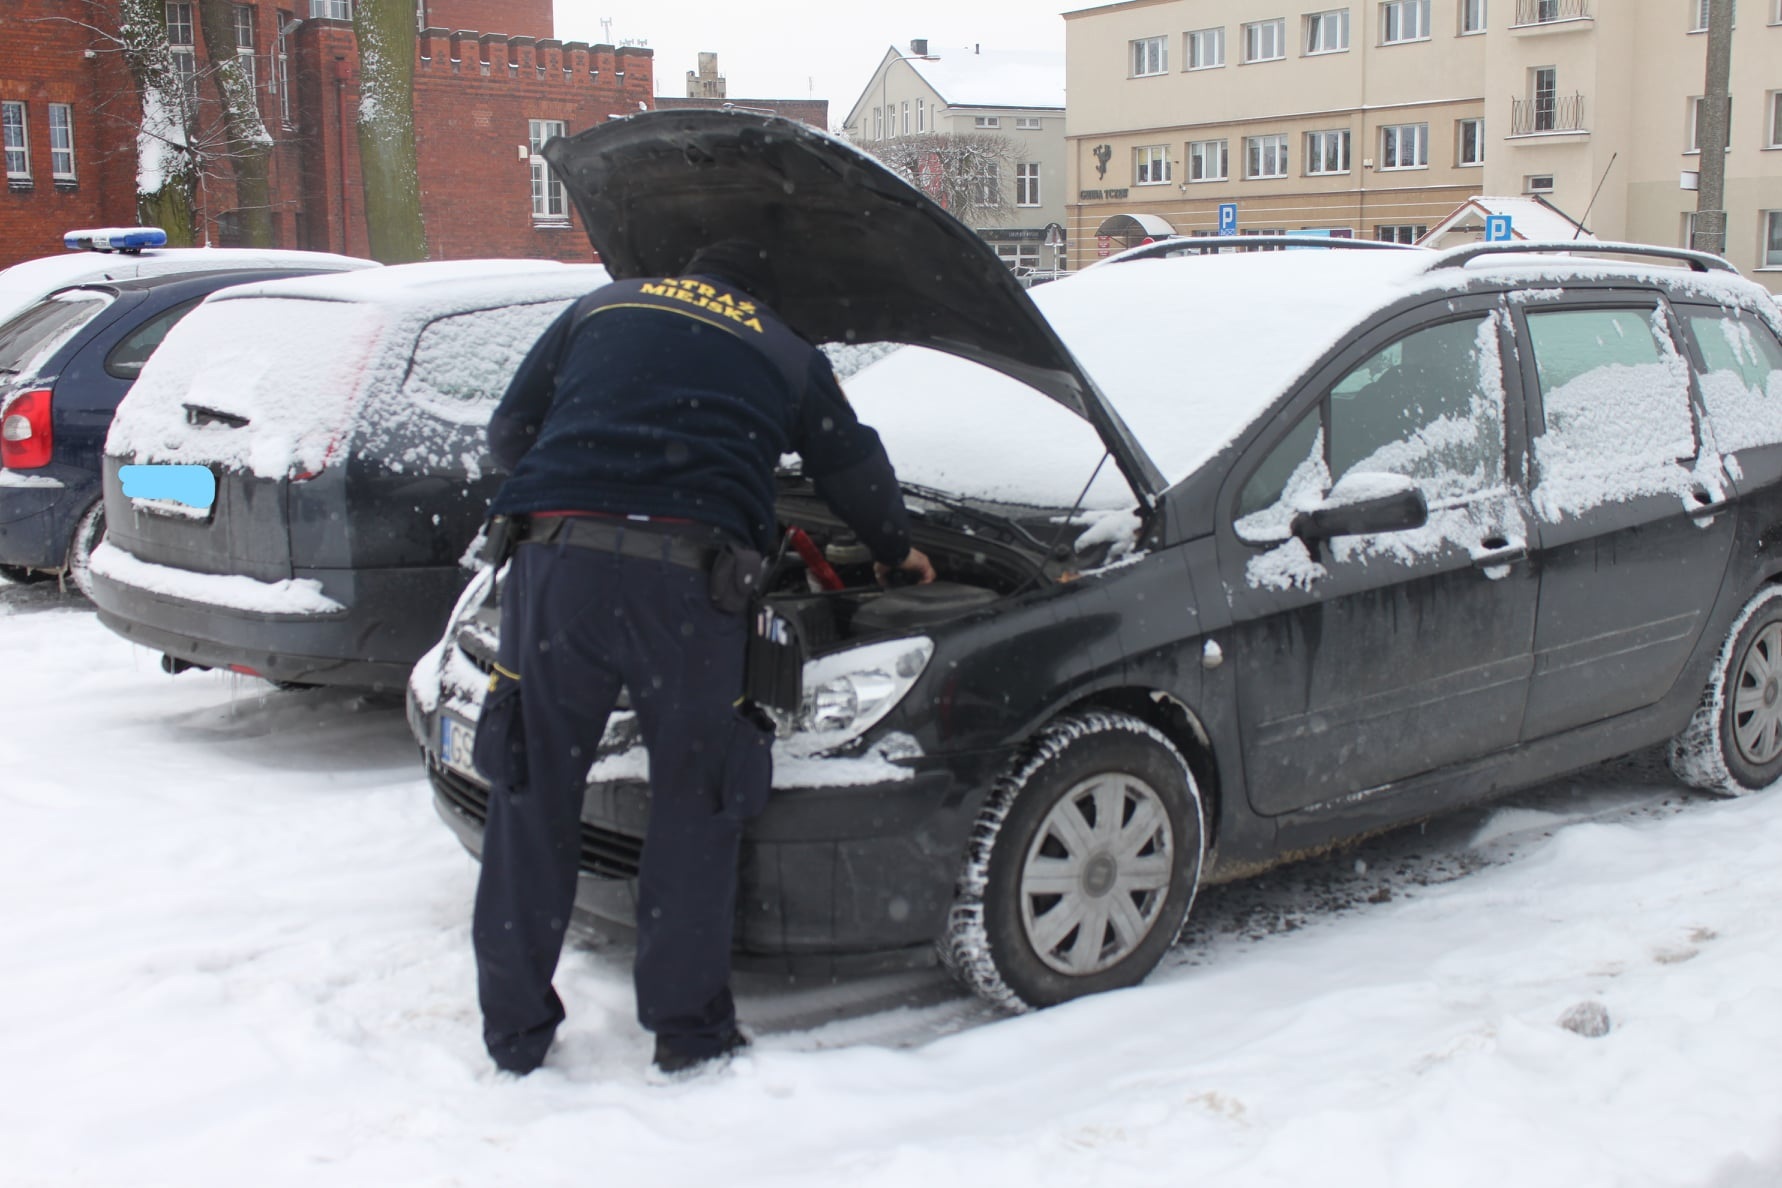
(456, 737)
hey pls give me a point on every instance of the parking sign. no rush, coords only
(1228, 218)
(1497, 228)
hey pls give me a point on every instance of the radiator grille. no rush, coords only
(605, 853)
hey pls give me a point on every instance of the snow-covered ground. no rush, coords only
(237, 952)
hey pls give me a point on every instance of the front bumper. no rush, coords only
(852, 878)
(389, 617)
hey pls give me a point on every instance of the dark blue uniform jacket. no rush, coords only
(677, 397)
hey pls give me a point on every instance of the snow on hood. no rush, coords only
(30, 281)
(1189, 350)
(296, 357)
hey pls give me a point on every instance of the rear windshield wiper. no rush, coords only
(197, 414)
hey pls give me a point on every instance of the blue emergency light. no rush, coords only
(128, 240)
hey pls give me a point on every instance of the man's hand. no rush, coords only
(916, 564)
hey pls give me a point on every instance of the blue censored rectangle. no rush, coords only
(194, 486)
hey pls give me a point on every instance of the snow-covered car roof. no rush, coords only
(436, 287)
(30, 281)
(304, 360)
(1188, 349)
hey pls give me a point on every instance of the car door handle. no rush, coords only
(1495, 551)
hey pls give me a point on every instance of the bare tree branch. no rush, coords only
(967, 173)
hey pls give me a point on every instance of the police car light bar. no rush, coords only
(115, 239)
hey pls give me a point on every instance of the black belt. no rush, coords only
(649, 542)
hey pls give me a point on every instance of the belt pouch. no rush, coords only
(498, 750)
(735, 577)
(773, 664)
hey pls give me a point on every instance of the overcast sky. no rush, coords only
(804, 49)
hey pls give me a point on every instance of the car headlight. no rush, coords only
(846, 692)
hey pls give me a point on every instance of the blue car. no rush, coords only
(65, 363)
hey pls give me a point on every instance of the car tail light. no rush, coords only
(25, 435)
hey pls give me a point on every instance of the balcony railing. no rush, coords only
(1547, 12)
(1547, 113)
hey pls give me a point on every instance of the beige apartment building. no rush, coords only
(1377, 119)
(1015, 94)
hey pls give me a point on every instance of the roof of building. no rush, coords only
(972, 77)
(1531, 219)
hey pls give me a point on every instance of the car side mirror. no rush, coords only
(1364, 503)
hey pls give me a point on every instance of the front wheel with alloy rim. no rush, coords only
(1082, 865)
(1733, 744)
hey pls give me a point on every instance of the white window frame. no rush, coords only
(1203, 49)
(550, 203)
(61, 155)
(241, 19)
(1199, 153)
(921, 114)
(878, 123)
(1770, 250)
(1325, 33)
(1028, 124)
(1399, 232)
(989, 183)
(986, 121)
(1148, 57)
(1318, 146)
(1537, 75)
(906, 117)
(1150, 165)
(1027, 183)
(281, 65)
(182, 44)
(1395, 139)
(1700, 24)
(331, 10)
(1403, 21)
(1473, 16)
(1538, 183)
(1775, 107)
(1265, 41)
(15, 139)
(1695, 124)
(1269, 151)
(1477, 124)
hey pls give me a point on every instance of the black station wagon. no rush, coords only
(335, 426)
(1242, 556)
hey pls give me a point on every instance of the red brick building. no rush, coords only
(483, 103)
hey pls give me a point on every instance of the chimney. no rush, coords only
(919, 47)
(977, 49)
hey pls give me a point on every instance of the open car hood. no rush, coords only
(862, 255)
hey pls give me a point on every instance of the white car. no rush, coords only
(29, 282)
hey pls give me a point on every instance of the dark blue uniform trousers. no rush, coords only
(576, 624)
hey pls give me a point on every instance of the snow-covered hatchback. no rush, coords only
(334, 427)
(1386, 533)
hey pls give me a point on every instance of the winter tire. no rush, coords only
(1081, 868)
(87, 535)
(1733, 744)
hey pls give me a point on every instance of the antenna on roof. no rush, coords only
(606, 30)
(1579, 230)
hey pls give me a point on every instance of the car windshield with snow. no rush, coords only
(334, 427)
(1241, 556)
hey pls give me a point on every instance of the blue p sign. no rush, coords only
(1497, 228)
(1228, 218)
